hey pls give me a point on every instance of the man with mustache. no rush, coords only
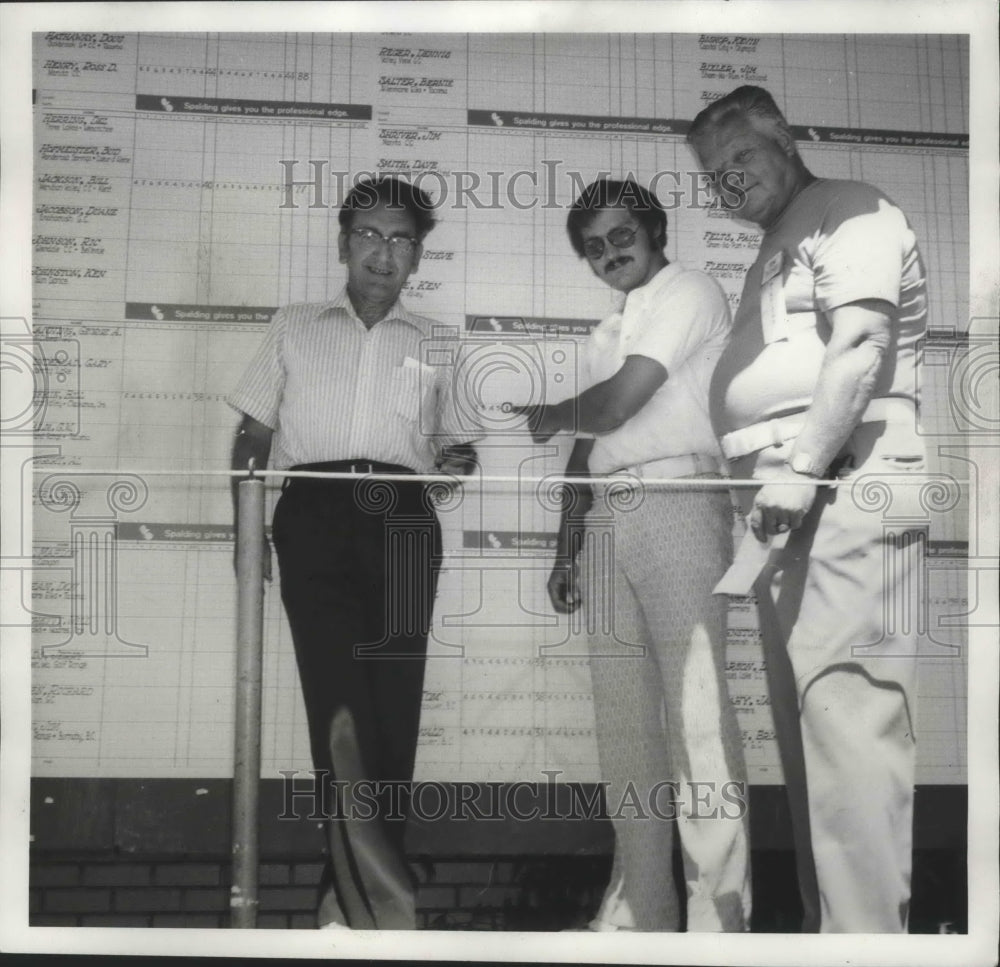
(665, 726)
(819, 381)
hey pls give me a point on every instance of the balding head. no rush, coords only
(747, 103)
(744, 141)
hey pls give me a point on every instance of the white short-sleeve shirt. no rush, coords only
(680, 319)
(836, 243)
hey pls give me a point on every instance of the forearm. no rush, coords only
(593, 411)
(246, 446)
(577, 499)
(603, 407)
(846, 383)
(841, 396)
(598, 411)
(844, 388)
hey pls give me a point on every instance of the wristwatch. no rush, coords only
(804, 464)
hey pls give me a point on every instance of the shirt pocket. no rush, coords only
(413, 393)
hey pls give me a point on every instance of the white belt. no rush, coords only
(684, 465)
(772, 433)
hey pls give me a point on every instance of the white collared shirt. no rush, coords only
(681, 319)
(332, 389)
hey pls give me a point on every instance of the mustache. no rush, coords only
(615, 263)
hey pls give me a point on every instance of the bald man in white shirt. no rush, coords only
(820, 381)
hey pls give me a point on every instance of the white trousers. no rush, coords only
(841, 659)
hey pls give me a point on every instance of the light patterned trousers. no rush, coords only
(667, 736)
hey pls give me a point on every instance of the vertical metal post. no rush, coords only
(249, 661)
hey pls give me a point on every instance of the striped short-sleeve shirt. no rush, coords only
(332, 389)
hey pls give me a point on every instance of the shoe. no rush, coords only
(606, 926)
(329, 914)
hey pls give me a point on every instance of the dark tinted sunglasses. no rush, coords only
(623, 237)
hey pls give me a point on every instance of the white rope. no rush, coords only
(481, 480)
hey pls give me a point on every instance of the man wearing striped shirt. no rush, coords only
(359, 385)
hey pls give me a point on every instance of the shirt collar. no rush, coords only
(643, 292)
(398, 311)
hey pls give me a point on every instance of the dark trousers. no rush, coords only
(359, 561)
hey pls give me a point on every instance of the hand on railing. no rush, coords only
(459, 459)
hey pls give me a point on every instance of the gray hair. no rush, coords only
(748, 102)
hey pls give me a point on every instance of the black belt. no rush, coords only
(360, 467)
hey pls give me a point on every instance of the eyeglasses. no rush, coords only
(370, 240)
(622, 237)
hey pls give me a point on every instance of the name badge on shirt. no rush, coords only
(773, 318)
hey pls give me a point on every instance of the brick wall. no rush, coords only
(155, 853)
(456, 894)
